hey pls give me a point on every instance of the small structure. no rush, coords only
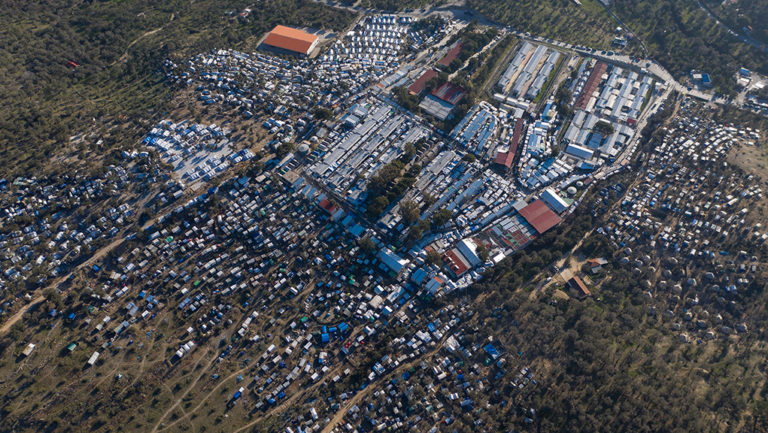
(554, 201)
(507, 156)
(596, 265)
(456, 262)
(394, 262)
(701, 79)
(442, 100)
(580, 152)
(468, 249)
(334, 211)
(577, 284)
(434, 285)
(28, 350)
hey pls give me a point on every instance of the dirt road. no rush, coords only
(16, 317)
(38, 293)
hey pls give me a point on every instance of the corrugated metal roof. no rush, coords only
(451, 55)
(449, 93)
(594, 79)
(579, 285)
(506, 158)
(418, 86)
(540, 216)
(456, 262)
(290, 39)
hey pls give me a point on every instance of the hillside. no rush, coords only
(679, 35)
(560, 19)
(65, 63)
(422, 221)
(747, 16)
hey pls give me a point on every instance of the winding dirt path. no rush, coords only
(203, 373)
(16, 317)
(339, 416)
(140, 37)
(40, 298)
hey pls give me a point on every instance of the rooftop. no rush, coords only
(576, 283)
(449, 93)
(451, 55)
(540, 216)
(418, 85)
(291, 39)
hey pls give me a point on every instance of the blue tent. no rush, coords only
(491, 350)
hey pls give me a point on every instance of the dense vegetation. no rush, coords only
(395, 5)
(472, 41)
(761, 93)
(116, 49)
(393, 180)
(480, 68)
(749, 17)
(610, 366)
(682, 37)
(588, 24)
(727, 113)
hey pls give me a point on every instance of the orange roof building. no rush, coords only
(291, 40)
(576, 283)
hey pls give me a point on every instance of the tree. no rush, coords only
(366, 244)
(441, 217)
(145, 216)
(16, 331)
(386, 175)
(417, 230)
(482, 252)
(408, 152)
(323, 113)
(414, 170)
(409, 210)
(377, 206)
(414, 233)
(603, 127)
(402, 186)
(563, 98)
(455, 65)
(408, 101)
(53, 296)
(434, 258)
(429, 199)
(283, 150)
